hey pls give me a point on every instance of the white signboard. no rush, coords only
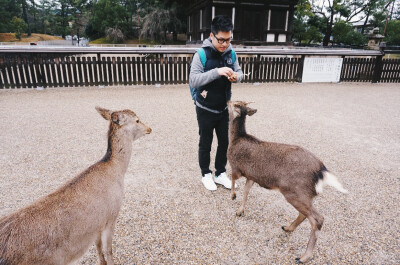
(322, 69)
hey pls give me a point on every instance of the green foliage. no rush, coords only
(301, 13)
(343, 33)
(356, 39)
(19, 26)
(318, 22)
(8, 9)
(299, 30)
(378, 19)
(303, 9)
(393, 32)
(313, 35)
(106, 14)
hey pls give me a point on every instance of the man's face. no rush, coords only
(221, 40)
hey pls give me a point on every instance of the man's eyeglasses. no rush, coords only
(221, 41)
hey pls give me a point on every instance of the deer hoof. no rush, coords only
(240, 213)
(233, 197)
(286, 229)
(298, 261)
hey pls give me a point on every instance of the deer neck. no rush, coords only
(237, 128)
(119, 151)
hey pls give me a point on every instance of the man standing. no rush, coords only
(213, 83)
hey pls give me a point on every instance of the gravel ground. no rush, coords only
(49, 136)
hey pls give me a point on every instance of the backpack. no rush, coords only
(203, 59)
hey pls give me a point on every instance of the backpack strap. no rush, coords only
(233, 53)
(203, 57)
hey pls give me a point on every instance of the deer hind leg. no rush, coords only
(295, 223)
(235, 176)
(316, 221)
(306, 209)
(104, 244)
(248, 185)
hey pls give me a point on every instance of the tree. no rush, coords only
(326, 13)
(328, 10)
(61, 18)
(24, 6)
(33, 11)
(312, 34)
(158, 22)
(393, 32)
(8, 9)
(19, 26)
(370, 9)
(301, 16)
(115, 35)
(106, 14)
(46, 19)
(343, 33)
(179, 23)
(78, 17)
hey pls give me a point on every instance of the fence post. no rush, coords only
(299, 77)
(378, 64)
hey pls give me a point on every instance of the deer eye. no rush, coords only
(137, 121)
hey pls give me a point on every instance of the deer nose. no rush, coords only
(148, 130)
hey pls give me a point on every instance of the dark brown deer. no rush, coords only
(60, 227)
(292, 170)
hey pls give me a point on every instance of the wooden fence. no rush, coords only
(363, 69)
(94, 67)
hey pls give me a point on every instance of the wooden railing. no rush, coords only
(32, 67)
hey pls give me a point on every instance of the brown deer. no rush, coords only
(60, 227)
(292, 170)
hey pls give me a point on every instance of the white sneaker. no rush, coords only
(222, 179)
(208, 182)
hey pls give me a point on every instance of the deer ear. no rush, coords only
(251, 111)
(105, 113)
(118, 118)
(236, 111)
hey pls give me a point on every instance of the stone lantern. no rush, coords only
(374, 39)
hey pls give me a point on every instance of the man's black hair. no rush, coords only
(221, 23)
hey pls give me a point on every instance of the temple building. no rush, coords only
(256, 22)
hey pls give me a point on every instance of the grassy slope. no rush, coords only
(10, 37)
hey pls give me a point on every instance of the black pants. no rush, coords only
(208, 122)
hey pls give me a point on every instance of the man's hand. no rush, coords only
(233, 77)
(225, 71)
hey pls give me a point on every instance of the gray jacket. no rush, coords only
(200, 78)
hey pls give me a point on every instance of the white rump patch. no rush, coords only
(319, 186)
(330, 180)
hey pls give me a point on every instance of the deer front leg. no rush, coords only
(104, 245)
(249, 184)
(235, 176)
(100, 253)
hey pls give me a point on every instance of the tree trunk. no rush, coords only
(25, 15)
(328, 32)
(365, 22)
(34, 15)
(63, 24)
